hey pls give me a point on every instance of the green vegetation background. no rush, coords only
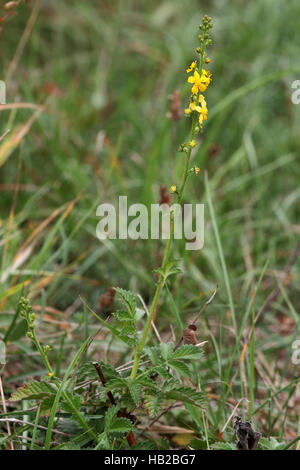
(110, 66)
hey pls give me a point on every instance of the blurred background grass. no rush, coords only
(105, 71)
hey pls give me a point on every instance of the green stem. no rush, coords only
(79, 416)
(58, 384)
(43, 354)
(160, 285)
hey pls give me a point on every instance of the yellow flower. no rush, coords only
(206, 73)
(191, 67)
(202, 110)
(193, 106)
(51, 374)
(200, 82)
(173, 189)
(192, 143)
(205, 79)
(203, 116)
(196, 80)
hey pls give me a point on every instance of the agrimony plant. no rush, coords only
(197, 110)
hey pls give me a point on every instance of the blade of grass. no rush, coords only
(221, 252)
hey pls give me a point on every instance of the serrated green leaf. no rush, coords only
(271, 444)
(123, 316)
(163, 372)
(180, 367)
(166, 350)
(147, 382)
(153, 354)
(76, 401)
(115, 384)
(145, 445)
(128, 330)
(170, 269)
(187, 395)
(187, 351)
(139, 313)
(46, 405)
(135, 390)
(224, 446)
(86, 370)
(132, 385)
(170, 384)
(121, 425)
(110, 415)
(104, 442)
(198, 444)
(33, 390)
(153, 404)
(129, 341)
(129, 299)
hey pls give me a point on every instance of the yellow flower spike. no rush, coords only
(200, 82)
(173, 189)
(192, 143)
(192, 66)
